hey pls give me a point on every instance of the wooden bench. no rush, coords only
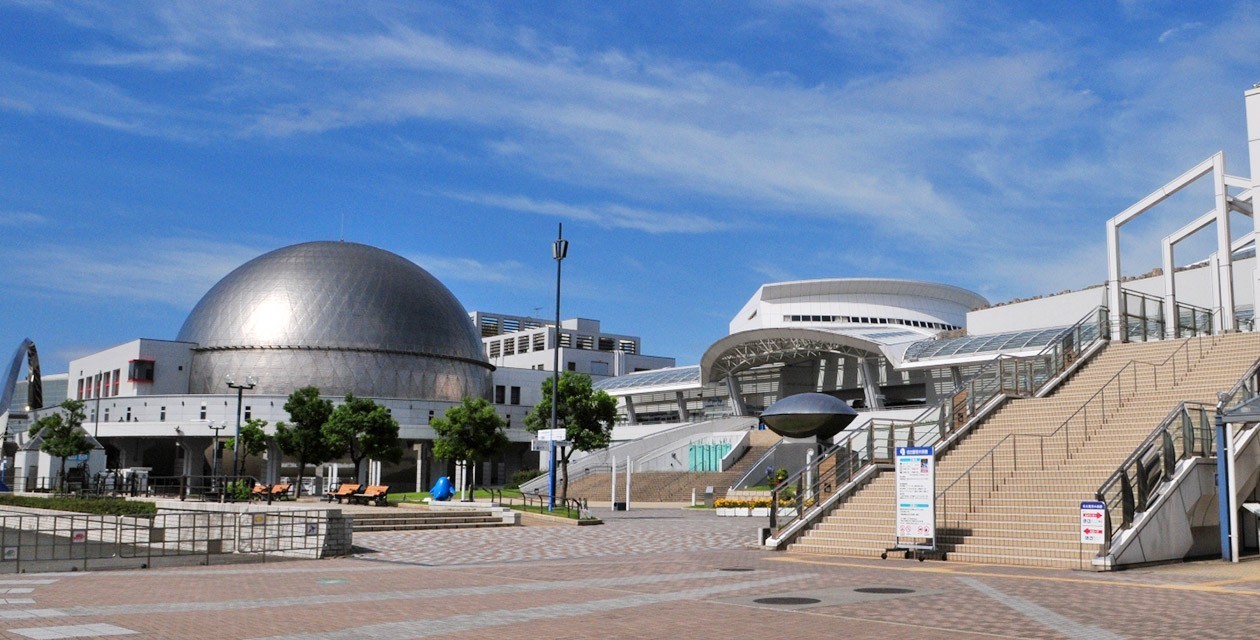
(373, 493)
(280, 491)
(259, 492)
(344, 490)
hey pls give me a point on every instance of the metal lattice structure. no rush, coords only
(771, 346)
(344, 317)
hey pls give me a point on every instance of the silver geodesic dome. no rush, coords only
(344, 317)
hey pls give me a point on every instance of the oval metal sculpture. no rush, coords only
(808, 415)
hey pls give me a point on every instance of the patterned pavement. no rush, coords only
(645, 574)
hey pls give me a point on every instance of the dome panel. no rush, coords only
(339, 299)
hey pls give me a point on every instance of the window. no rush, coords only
(522, 344)
(499, 393)
(140, 371)
(494, 349)
(509, 347)
(117, 379)
(511, 325)
(128, 414)
(605, 344)
(586, 342)
(203, 412)
(489, 326)
(249, 412)
(540, 341)
(106, 418)
(572, 366)
(566, 340)
(79, 393)
(627, 346)
(516, 395)
(162, 414)
(104, 391)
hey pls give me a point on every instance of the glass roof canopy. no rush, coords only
(676, 376)
(1003, 342)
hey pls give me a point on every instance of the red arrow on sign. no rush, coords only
(1092, 515)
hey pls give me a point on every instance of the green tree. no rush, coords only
(362, 429)
(253, 441)
(63, 436)
(305, 439)
(585, 414)
(469, 431)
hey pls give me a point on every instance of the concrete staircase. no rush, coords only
(1024, 498)
(406, 519)
(665, 486)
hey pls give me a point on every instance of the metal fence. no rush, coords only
(50, 541)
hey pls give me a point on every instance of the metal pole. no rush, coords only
(558, 252)
(240, 392)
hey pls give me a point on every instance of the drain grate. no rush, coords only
(734, 569)
(787, 601)
(883, 590)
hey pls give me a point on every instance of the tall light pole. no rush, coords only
(559, 249)
(96, 428)
(215, 473)
(250, 382)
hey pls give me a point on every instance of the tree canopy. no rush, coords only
(585, 414)
(63, 436)
(469, 431)
(304, 439)
(362, 429)
(253, 441)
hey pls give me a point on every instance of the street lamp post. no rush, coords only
(96, 416)
(215, 461)
(559, 249)
(249, 383)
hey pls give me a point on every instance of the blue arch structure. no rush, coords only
(35, 386)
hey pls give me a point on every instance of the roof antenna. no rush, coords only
(342, 237)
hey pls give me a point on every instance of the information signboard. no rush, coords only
(1093, 522)
(916, 492)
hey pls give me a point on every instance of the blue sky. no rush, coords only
(693, 151)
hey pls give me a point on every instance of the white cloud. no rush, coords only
(21, 219)
(172, 271)
(605, 215)
(470, 270)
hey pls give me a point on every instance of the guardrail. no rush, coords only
(1186, 432)
(983, 478)
(818, 485)
(58, 541)
(539, 502)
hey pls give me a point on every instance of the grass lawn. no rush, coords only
(419, 496)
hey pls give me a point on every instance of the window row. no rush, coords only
(102, 385)
(864, 320)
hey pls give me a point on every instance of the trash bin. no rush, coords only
(619, 506)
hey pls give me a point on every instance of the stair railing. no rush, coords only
(1186, 432)
(802, 495)
(990, 471)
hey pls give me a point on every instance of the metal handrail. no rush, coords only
(952, 416)
(1135, 480)
(1012, 439)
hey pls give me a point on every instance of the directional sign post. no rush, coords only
(1093, 522)
(916, 493)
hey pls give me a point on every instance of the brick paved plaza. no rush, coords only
(661, 573)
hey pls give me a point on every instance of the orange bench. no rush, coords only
(280, 491)
(344, 490)
(373, 493)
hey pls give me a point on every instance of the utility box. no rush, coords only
(619, 506)
(708, 497)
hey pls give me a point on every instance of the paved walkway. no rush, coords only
(645, 574)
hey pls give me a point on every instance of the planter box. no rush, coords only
(741, 511)
(761, 512)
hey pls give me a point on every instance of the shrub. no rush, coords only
(523, 476)
(96, 506)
